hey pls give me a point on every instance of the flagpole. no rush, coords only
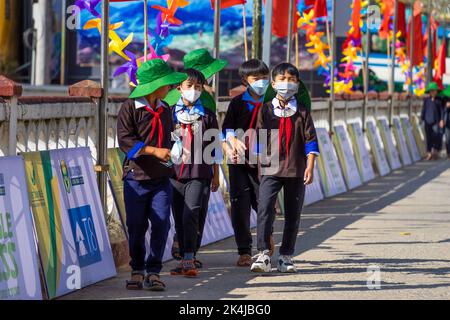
(267, 36)
(366, 73)
(297, 63)
(333, 60)
(290, 31)
(101, 167)
(392, 76)
(244, 17)
(217, 7)
(429, 44)
(411, 57)
(145, 29)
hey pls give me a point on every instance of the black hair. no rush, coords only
(195, 75)
(284, 67)
(253, 67)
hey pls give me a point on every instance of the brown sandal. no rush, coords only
(152, 282)
(136, 282)
(245, 260)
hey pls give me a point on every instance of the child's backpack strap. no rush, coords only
(302, 95)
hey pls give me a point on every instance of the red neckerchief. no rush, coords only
(285, 126)
(156, 122)
(256, 107)
(186, 144)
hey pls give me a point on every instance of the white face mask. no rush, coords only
(191, 95)
(286, 89)
(259, 87)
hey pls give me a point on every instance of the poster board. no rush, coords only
(377, 148)
(410, 140)
(388, 141)
(419, 136)
(73, 241)
(401, 142)
(330, 170)
(19, 269)
(346, 157)
(362, 155)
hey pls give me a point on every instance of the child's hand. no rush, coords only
(215, 184)
(309, 176)
(441, 124)
(162, 154)
(238, 146)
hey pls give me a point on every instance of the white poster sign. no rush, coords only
(391, 150)
(346, 157)
(410, 140)
(361, 153)
(377, 149)
(19, 272)
(401, 142)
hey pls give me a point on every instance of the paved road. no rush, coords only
(399, 223)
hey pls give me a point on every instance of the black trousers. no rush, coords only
(294, 194)
(189, 208)
(432, 137)
(244, 193)
(447, 140)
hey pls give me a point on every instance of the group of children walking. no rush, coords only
(158, 129)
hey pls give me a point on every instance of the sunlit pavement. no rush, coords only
(389, 239)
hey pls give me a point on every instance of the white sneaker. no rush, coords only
(262, 263)
(286, 265)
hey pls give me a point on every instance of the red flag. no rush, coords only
(320, 8)
(280, 18)
(440, 64)
(401, 19)
(418, 37)
(228, 3)
(309, 4)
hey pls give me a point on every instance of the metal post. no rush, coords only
(411, 56)
(333, 60)
(290, 33)
(216, 45)
(429, 44)
(257, 29)
(392, 76)
(62, 78)
(103, 107)
(145, 30)
(267, 36)
(366, 74)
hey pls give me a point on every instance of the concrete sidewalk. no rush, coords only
(399, 223)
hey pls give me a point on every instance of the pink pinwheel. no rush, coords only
(130, 67)
(152, 55)
(89, 5)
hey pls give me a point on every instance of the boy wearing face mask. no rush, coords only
(244, 180)
(193, 181)
(291, 168)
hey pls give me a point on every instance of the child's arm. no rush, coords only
(311, 148)
(130, 142)
(231, 145)
(215, 184)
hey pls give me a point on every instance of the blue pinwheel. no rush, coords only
(89, 5)
(130, 67)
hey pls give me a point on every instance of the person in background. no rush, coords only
(431, 115)
(144, 126)
(445, 122)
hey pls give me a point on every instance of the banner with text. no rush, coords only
(377, 149)
(410, 140)
(361, 153)
(346, 157)
(388, 141)
(73, 241)
(330, 170)
(401, 141)
(19, 271)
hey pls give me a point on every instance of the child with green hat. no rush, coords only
(431, 115)
(200, 60)
(144, 127)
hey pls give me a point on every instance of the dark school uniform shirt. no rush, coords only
(193, 122)
(298, 137)
(137, 127)
(431, 111)
(242, 114)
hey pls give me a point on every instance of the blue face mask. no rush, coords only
(259, 87)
